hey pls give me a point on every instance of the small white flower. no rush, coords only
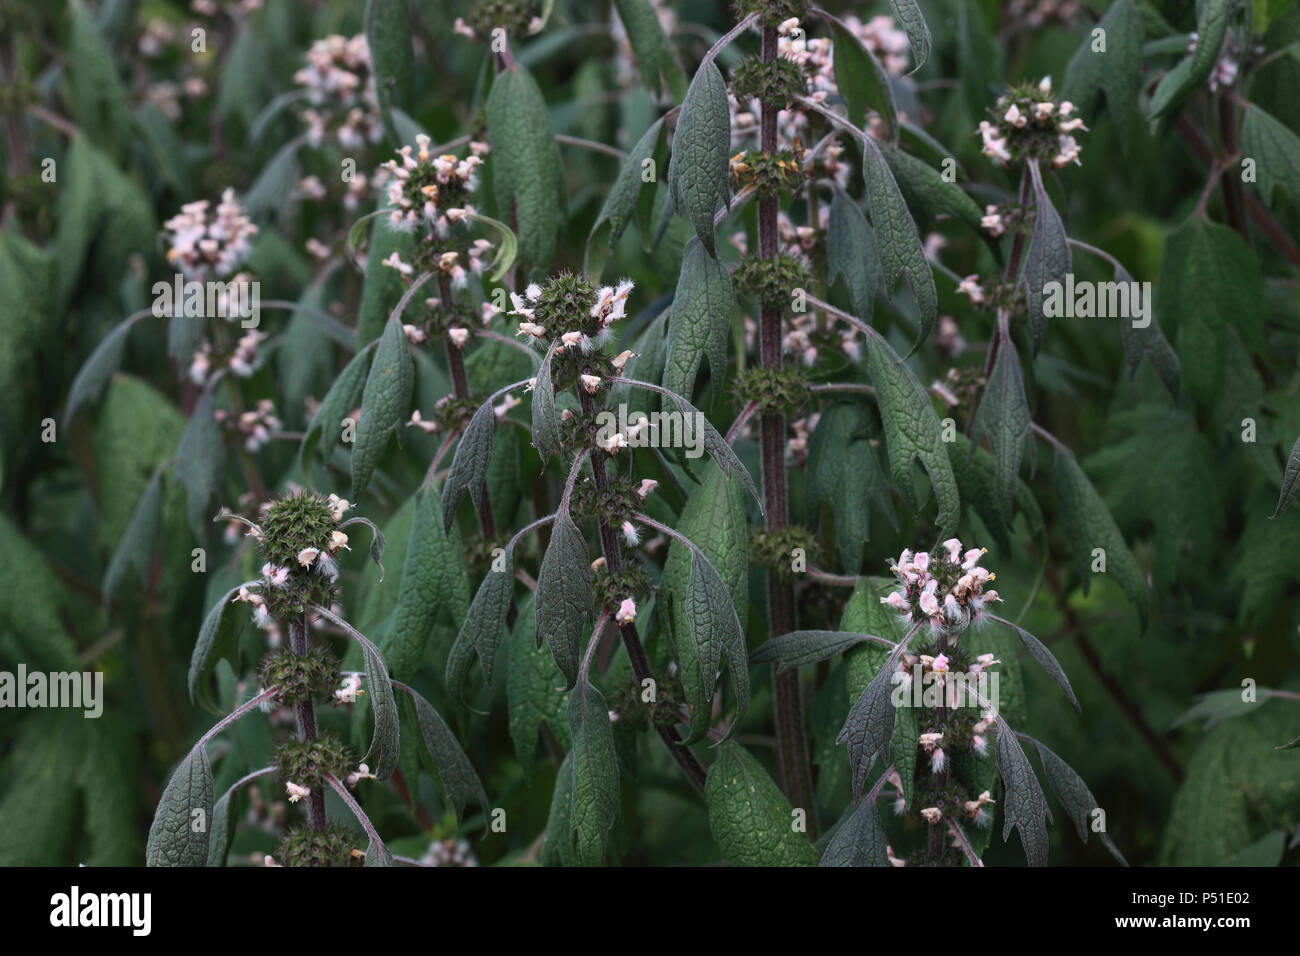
(275, 576)
(626, 612)
(932, 815)
(648, 485)
(414, 333)
(361, 773)
(590, 383)
(458, 337)
(630, 533)
(338, 540)
(307, 556)
(296, 792)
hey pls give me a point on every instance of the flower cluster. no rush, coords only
(201, 245)
(431, 193)
(945, 587)
(340, 85)
(815, 57)
(299, 541)
(1028, 123)
(449, 852)
(569, 310)
(255, 426)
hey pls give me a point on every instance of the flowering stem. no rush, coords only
(306, 712)
(794, 767)
(691, 765)
(459, 382)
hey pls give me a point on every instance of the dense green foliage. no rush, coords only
(875, 250)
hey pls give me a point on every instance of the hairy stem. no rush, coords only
(306, 712)
(690, 765)
(794, 767)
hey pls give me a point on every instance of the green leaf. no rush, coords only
(903, 743)
(699, 324)
(244, 77)
(595, 773)
(912, 433)
(222, 831)
(861, 80)
(1003, 417)
(859, 840)
(1046, 260)
(31, 597)
(1148, 342)
(716, 446)
(469, 466)
(378, 855)
(560, 848)
(434, 583)
(627, 197)
(384, 403)
(1290, 480)
(337, 404)
(101, 365)
(218, 638)
(1237, 787)
(1089, 525)
(851, 253)
(199, 460)
(979, 58)
(1276, 151)
(178, 835)
(909, 17)
(1023, 807)
(654, 52)
(564, 596)
(1044, 657)
(546, 424)
(926, 189)
(526, 171)
(274, 183)
(899, 244)
(484, 624)
(459, 778)
(392, 56)
(752, 822)
(698, 172)
(801, 648)
(1116, 70)
(136, 547)
(383, 286)
(714, 520)
(1075, 796)
(532, 691)
(1186, 78)
(714, 631)
(844, 473)
(869, 726)
(100, 99)
(1210, 274)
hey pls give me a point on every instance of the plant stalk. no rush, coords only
(306, 711)
(793, 764)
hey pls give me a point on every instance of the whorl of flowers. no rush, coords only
(340, 85)
(815, 56)
(298, 538)
(944, 587)
(449, 852)
(1028, 123)
(430, 195)
(201, 245)
(570, 309)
